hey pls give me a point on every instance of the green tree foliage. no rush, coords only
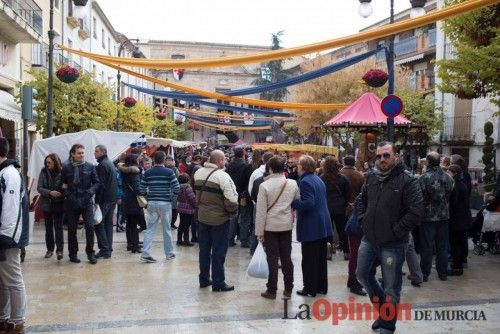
(475, 70)
(78, 106)
(275, 73)
(488, 153)
(168, 129)
(139, 118)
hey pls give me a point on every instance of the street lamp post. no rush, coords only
(366, 10)
(50, 80)
(135, 54)
(50, 88)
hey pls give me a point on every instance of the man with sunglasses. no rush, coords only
(391, 206)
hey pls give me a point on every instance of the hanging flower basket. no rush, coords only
(375, 78)
(80, 2)
(161, 114)
(67, 74)
(129, 102)
(178, 121)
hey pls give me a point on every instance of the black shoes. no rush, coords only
(376, 325)
(305, 293)
(426, 278)
(74, 259)
(59, 256)
(103, 255)
(223, 288)
(356, 288)
(455, 272)
(415, 284)
(204, 285)
(92, 259)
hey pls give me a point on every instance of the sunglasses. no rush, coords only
(385, 156)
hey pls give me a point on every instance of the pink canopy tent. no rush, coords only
(239, 143)
(365, 112)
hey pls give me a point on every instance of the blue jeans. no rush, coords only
(244, 220)
(104, 230)
(434, 233)
(391, 259)
(158, 212)
(213, 248)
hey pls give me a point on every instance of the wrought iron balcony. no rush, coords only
(405, 46)
(458, 130)
(29, 12)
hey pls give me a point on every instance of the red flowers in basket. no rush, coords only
(161, 114)
(67, 74)
(129, 102)
(375, 78)
(179, 121)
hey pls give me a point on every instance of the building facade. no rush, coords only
(213, 80)
(21, 24)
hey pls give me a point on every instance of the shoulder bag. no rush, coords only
(201, 191)
(277, 198)
(141, 200)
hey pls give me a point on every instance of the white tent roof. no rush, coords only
(115, 142)
(166, 141)
(8, 107)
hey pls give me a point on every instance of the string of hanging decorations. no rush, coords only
(376, 33)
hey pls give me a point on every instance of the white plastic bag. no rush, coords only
(491, 222)
(97, 215)
(258, 267)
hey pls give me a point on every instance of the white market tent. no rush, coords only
(151, 141)
(115, 142)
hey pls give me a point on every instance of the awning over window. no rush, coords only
(409, 59)
(9, 109)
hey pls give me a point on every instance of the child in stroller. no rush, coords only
(486, 228)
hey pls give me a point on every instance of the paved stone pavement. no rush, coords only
(123, 295)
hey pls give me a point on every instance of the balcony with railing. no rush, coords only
(405, 46)
(84, 31)
(458, 130)
(60, 59)
(21, 20)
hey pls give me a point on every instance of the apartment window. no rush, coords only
(102, 77)
(4, 53)
(94, 71)
(103, 39)
(37, 55)
(109, 46)
(94, 27)
(56, 4)
(70, 45)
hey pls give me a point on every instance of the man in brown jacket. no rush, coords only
(356, 180)
(217, 203)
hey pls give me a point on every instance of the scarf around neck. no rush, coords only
(76, 171)
(381, 175)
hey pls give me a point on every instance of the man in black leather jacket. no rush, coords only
(80, 183)
(106, 198)
(390, 208)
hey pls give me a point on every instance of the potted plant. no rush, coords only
(375, 78)
(129, 102)
(178, 121)
(67, 74)
(161, 114)
(80, 2)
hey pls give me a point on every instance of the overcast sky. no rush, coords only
(242, 21)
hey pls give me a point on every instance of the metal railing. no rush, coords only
(431, 34)
(405, 46)
(77, 66)
(29, 11)
(60, 59)
(458, 129)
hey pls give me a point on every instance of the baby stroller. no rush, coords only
(486, 232)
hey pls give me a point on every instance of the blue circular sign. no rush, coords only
(391, 105)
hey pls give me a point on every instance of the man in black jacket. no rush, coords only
(80, 183)
(106, 199)
(390, 208)
(240, 172)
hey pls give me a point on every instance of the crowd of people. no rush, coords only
(376, 215)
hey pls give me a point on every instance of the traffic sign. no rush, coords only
(391, 106)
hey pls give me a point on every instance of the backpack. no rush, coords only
(22, 218)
